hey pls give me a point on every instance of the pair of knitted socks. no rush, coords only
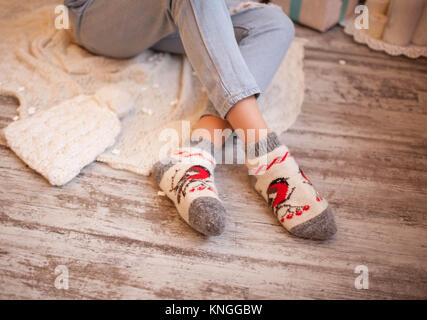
(187, 178)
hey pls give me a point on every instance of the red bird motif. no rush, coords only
(201, 173)
(197, 176)
(281, 193)
(280, 187)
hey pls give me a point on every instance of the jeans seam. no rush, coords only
(207, 49)
(233, 99)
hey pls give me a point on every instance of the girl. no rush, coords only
(235, 58)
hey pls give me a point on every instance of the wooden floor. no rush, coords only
(362, 138)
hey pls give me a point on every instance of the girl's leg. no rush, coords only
(246, 118)
(212, 128)
(235, 73)
(232, 70)
(261, 35)
(120, 29)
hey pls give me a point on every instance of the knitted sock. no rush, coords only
(187, 179)
(277, 177)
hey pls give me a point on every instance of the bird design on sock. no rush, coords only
(197, 177)
(279, 200)
(187, 178)
(289, 193)
(279, 189)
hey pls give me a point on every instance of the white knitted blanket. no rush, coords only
(42, 66)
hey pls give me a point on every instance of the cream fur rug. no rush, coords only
(42, 67)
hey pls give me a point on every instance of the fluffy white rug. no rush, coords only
(42, 66)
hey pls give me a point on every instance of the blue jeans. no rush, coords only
(233, 56)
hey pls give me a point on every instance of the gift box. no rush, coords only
(318, 14)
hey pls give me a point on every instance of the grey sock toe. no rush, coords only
(321, 227)
(207, 215)
(159, 169)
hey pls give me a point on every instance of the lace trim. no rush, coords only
(411, 51)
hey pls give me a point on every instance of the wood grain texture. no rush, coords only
(361, 138)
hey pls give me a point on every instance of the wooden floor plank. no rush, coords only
(361, 138)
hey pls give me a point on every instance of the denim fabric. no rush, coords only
(234, 56)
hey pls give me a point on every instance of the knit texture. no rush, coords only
(42, 67)
(60, 141)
